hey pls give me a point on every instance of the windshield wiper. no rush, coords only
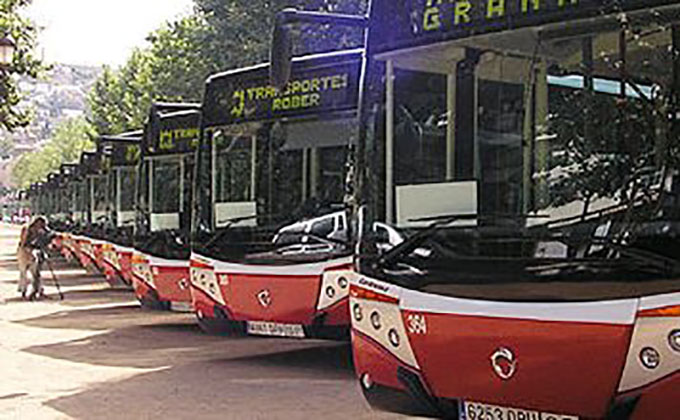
(412, 243)
(228, 223)
(644, 259)
(328, 241)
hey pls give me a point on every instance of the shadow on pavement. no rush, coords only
(335, 360)
(83, 298)
(152, 340)
(95, 319)
(312, 381)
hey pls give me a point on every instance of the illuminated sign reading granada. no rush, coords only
(443, 14)
(399, 24)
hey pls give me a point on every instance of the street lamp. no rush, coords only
(7, 48)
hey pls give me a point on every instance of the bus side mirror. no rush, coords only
(281, 54)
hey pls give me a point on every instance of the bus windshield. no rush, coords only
(127, 179)
(548, 151)
(100, 188)
(82, 201)
(270, 176)
(165, 182)
(273, 162)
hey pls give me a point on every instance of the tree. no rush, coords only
(119, 100)
(70, 139)
(241, 28)
(220, 35)
(103, 101)
(180, 61)
(23, 33)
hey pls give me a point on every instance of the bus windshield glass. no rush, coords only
(273, 162)
(550, 151)
(100, 195)
(267, 177)
(165, 180)
(127, 179)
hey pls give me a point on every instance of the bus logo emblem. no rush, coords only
(504, 363)
(265, 298)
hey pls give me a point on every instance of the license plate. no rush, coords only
(482, 411)
(275, 329)
(181, 307)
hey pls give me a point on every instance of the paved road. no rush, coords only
(97, 355)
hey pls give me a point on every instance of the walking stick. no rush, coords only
(54, 277)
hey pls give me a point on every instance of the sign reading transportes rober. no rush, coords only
(176, 133)
(247, 96)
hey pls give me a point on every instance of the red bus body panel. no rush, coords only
(293, 298)
(571, 358)
(280, 294)
(172, 283)
(125, 259)
(553, 359)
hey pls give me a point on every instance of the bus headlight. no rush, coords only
(330, 292)
(358, 313)
(366, 381)
(674, 340)
(393, 335)
(343, 282)
(375, 320)
(650, 358)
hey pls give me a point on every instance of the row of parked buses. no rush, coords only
(486, 195)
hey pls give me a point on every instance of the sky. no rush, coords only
(97, 32)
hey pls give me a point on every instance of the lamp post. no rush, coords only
(7, 48)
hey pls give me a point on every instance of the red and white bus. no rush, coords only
(121, 154)
(270, 247)
(160, 262)
(526, 152)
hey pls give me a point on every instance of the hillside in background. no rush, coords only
(60, 94)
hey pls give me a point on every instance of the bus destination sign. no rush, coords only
(404, 23)
(249, 96)
(176, 133)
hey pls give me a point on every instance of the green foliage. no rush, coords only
(242, 28)
(179, 60)
(605, 142)
(70, 139)
(23, 33)
(220, 35)
(119, 100)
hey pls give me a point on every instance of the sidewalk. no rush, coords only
(98, 355)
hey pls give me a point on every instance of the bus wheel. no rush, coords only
(152, 301)
(220, 323)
